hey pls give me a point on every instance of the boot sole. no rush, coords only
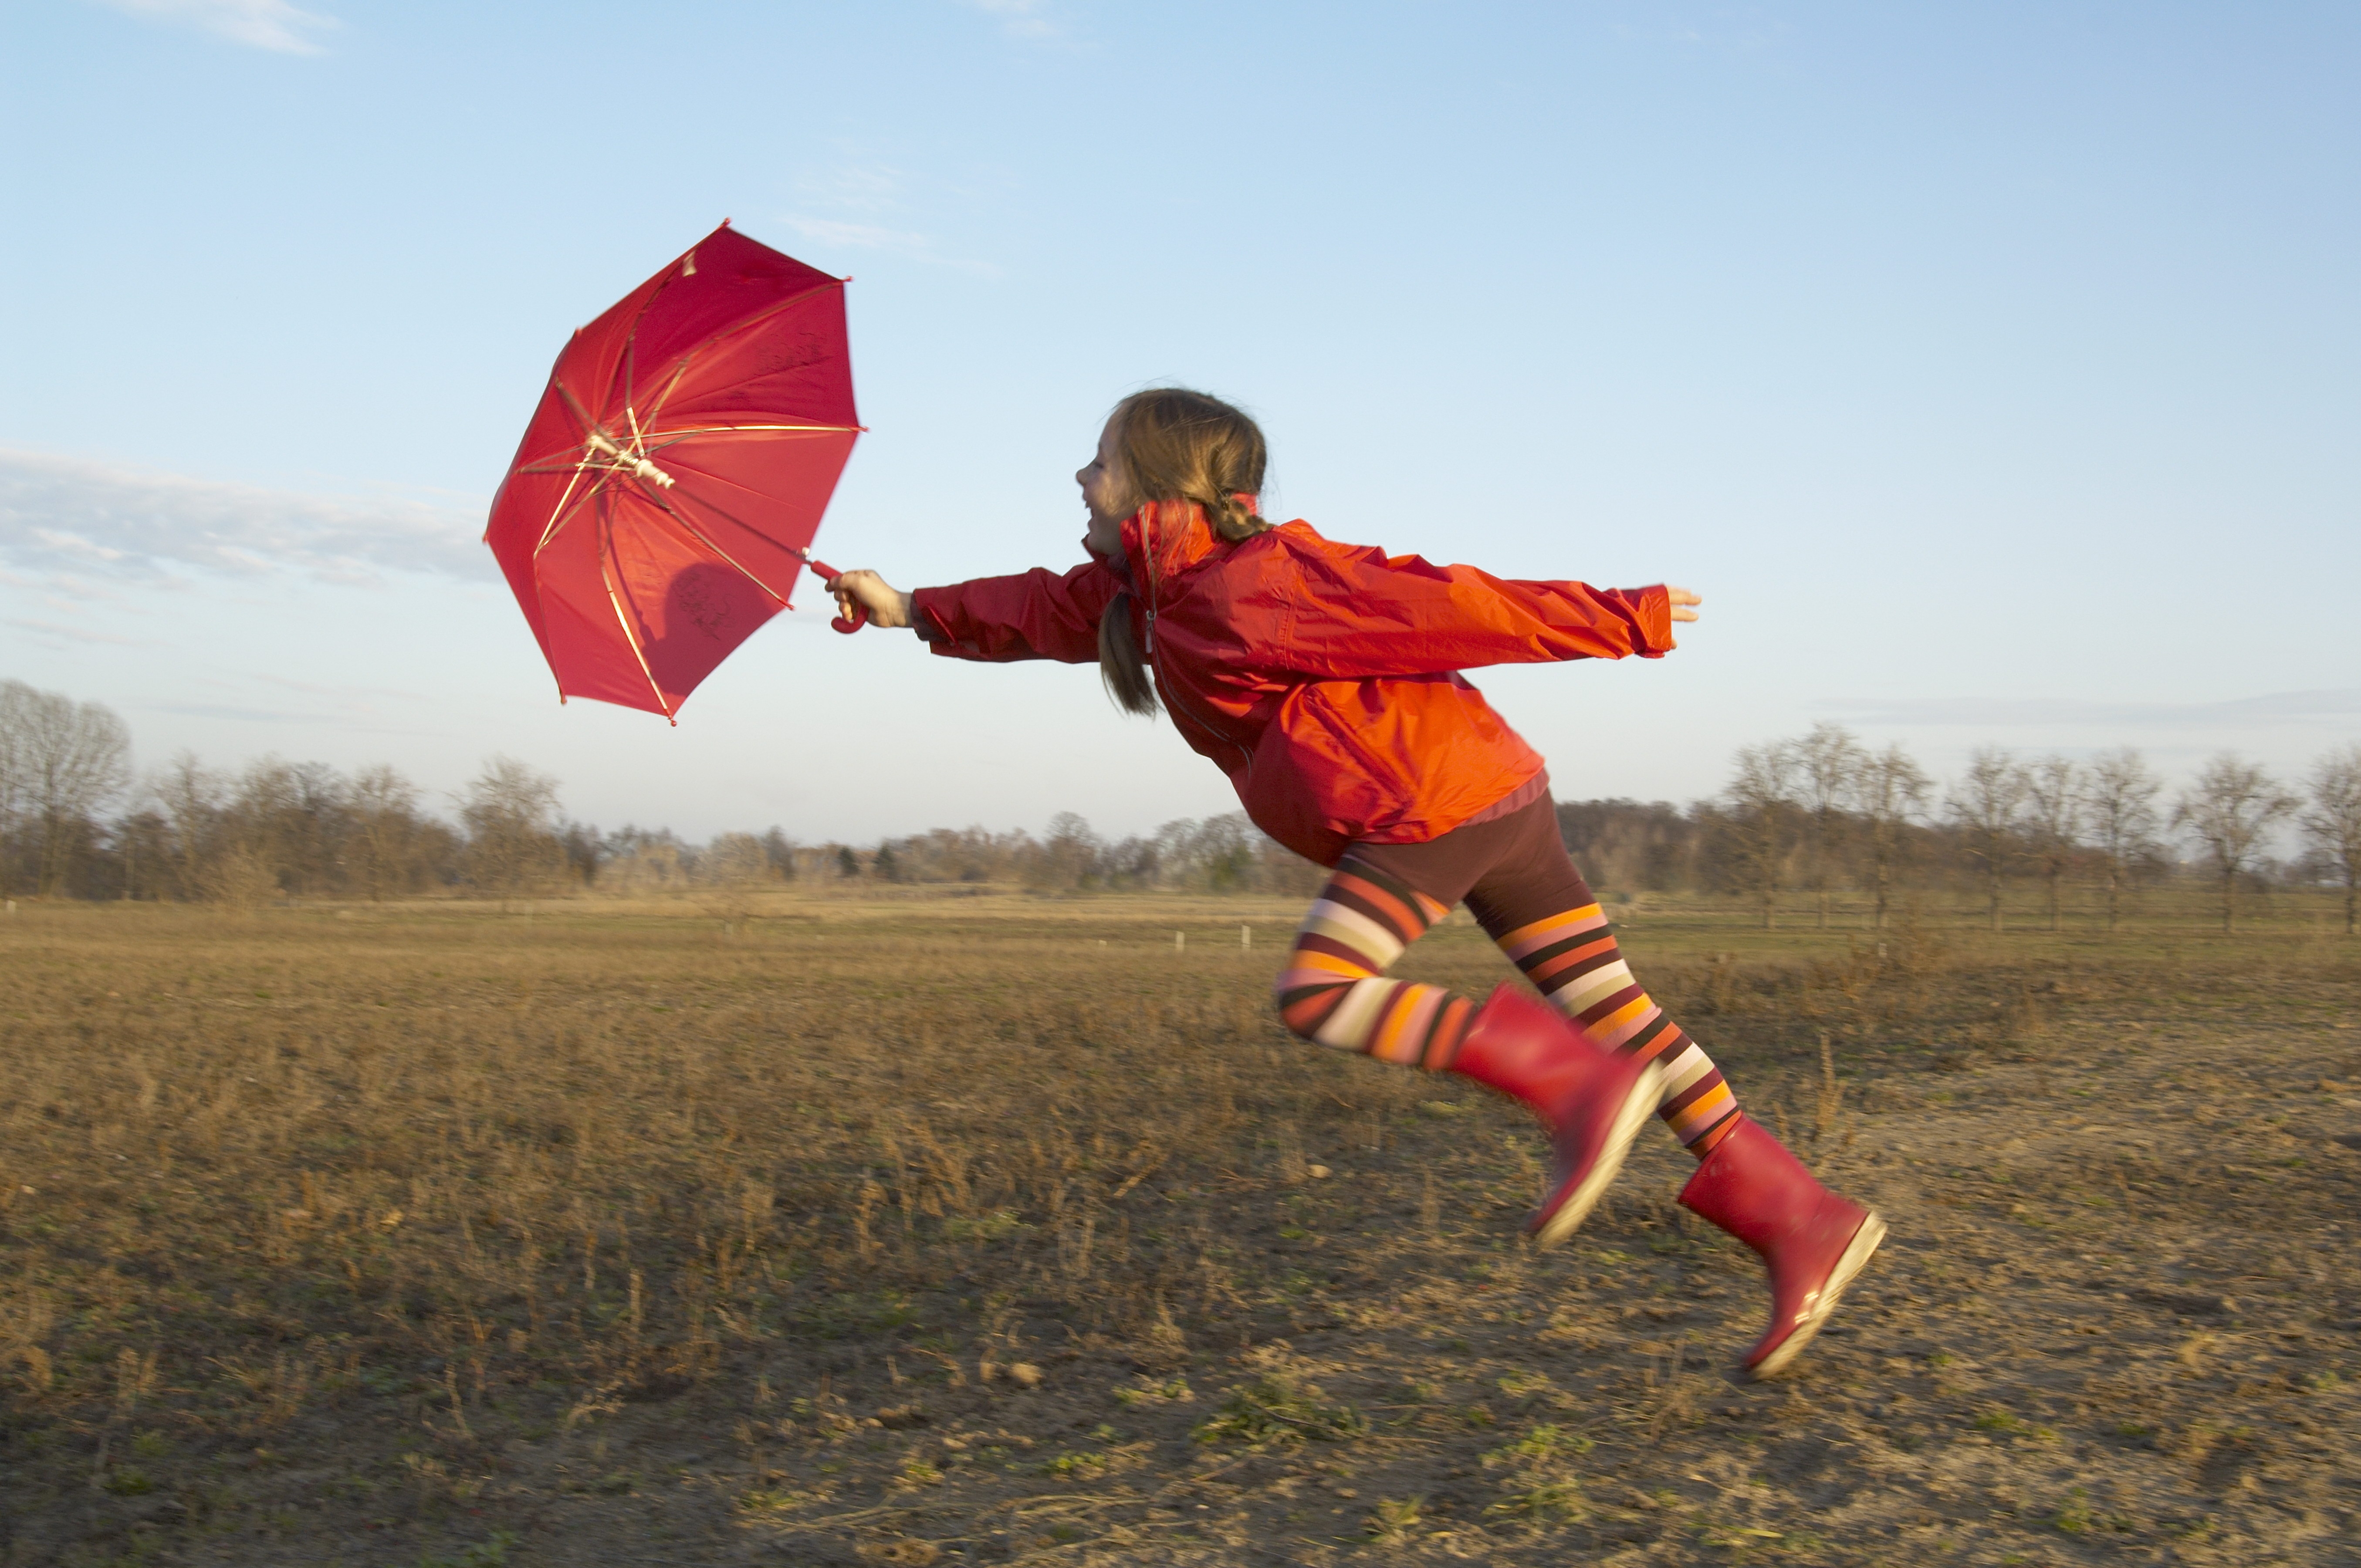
(1856, 1257)
(1638, 1106)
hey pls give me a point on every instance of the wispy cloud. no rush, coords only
(271, 25)
(2274, 707)
(70, 515)
(1020, 18)
(853, 187)
(51, 630)
(846, 235)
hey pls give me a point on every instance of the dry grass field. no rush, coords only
(921, 1228)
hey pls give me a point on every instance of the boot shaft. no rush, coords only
(1751, 1187)
(1523, 1048)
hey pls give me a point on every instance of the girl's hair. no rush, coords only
(1171, 444)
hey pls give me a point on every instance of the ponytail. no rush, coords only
(1177, 445)
(1121, 667)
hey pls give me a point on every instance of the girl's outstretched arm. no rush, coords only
(1039, 614)
(1357, 612)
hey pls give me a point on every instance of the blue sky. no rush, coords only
(1991, 368)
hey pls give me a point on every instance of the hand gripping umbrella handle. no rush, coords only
(827, 575)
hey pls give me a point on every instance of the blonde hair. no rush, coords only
(1178, 446)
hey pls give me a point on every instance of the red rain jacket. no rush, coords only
(1321, 677)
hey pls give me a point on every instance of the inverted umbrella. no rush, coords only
(666, 492)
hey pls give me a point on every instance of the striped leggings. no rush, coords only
(1514, 875)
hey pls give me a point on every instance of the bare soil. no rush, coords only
(990, 1229)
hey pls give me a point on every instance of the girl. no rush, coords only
(1322, 678)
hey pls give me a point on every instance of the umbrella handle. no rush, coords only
(827, 575)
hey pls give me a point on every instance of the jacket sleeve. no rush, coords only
(1039, 614)
(1360, 613)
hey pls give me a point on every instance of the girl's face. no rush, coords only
(1101, 483)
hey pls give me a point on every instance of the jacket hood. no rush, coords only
(1164, 538)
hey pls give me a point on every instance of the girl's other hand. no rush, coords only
(1681, 599)
(887, 605)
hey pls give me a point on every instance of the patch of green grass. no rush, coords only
(1540, 1447)
(989, 1227)
(128, 1481)
(1555, 1502)
(1278, 1409)
(1392, 1522)
(489, 1553)
(2010, 1424)
(1173, 1391)
(2074, 1516)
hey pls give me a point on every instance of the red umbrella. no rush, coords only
(666, 492)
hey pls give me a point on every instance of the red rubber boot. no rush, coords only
(1593, 1102)
(1814, 1241)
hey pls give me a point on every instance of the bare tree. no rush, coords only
(68, 759)
(386, 831)
(511, 814)
(1826, 762)
(191, 799)
(1985, 803)
(2119, 807)
(2053, 820)
(1762, 796)
(16, 701)
(2332, 819)
(2228, 808)
(1889, 793)
(734, 860)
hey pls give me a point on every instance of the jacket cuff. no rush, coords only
(927, 620)
(1655, 619)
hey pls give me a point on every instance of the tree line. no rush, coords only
(1821, 813)
(1811, 817)
(77, 821)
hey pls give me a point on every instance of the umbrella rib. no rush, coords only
(573, 405)
(745, 323)
(664, 505)
(615, 600)
(563, 509)
(659, 441)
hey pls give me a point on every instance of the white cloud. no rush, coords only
(64, 515)
(260, 24)
(872, 236)
(55, 633)
(1020, 18)
(862, 236)
(861, 187)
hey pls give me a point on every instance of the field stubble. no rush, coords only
(938, 1229)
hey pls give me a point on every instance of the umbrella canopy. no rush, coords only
(666, 492)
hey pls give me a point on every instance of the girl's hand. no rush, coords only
(1681, 599)
(887, 605)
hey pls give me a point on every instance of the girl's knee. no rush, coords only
(1299, 1005)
